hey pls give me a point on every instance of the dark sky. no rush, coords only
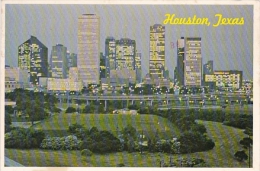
(229, 46)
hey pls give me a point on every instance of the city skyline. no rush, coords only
(223, 43)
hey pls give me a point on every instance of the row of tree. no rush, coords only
(36, 105)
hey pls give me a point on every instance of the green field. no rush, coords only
(148, 124)
(226, 139)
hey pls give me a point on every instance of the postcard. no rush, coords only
(140, 84)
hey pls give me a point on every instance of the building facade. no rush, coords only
(88, 60)
(179, 72)
(110, 54)
(124, 73)
(103, 72)
(138, 67)
(59, 84)
(73, 83)
(72, 59)
(157, 51)
(225, 79)
(125, 54)
(192, 61)
(59, 61)
(74, 74)
(33, 56)
(208, 68)
(16, 78)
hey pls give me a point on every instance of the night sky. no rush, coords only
(229, 46)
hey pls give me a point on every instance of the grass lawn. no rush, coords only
(226, 140)
(149, 124)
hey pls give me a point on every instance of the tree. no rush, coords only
(194, 141)
(70, 110)
(241, 155)
(35, 111)
(85, 90)
(199, 127)
(129, 135)
(246, 142)
(21, 100)
(249, 131)
(8, 122)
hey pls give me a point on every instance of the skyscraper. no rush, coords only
(208, 68)
(72, 59)
(180, 62)
(103, 72)
(138, 67)
(59, 61)
(192, 61)
(33, 56)
(88, 48)
(125, 54)
(110, 54)
(157, 51)
(110, 51)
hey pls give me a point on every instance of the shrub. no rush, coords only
(194, 142)
(133, 107)
(75, 127)
(56, 110)
(194, 162)
(120, 165)
(23, 138)
(88, 109)
(70, 110)
(199, 127)
(8, 122)
(9, 109)
(249, 131)
(168, 146)
(163, 146)
(241, 155)
(86, 152)
(100, 141)
(61, 143)
(143, 110)
(239, 121)
(246, 142)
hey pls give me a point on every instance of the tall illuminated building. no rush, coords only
(157, 51)
(88, 48)
(125, 54)
(33, 56)
(192, 61)
(72, 59)
(138, 67)
(59, 61)
(110, 54)
(179, 75)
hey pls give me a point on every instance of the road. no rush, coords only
(210, 97)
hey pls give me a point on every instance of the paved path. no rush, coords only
(24, 124)
(12, 163)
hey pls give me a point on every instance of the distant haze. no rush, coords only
(230, 47)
